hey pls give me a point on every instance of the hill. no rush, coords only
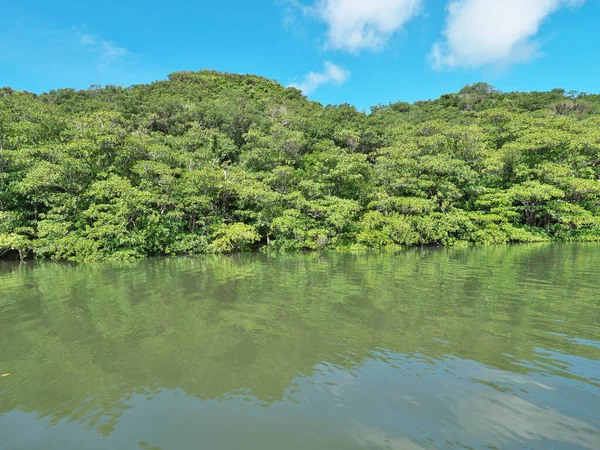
(215, 162)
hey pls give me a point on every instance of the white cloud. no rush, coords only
(312, 80)
(291, 8)
(86, 39)
(107, 51)
(111, 51)
(493, 32)
(355, 25)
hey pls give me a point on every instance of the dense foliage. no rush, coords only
(213, 162)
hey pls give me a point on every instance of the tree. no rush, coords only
(215, 162)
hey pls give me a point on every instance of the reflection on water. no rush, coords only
(465, 348)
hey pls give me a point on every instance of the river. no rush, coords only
(484, 348)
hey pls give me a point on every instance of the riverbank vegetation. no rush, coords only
(213, 162)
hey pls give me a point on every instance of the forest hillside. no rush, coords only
(214, 162)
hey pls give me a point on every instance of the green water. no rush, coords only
(470, 348)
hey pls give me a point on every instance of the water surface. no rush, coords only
(495, 347)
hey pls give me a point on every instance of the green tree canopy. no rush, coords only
(215, 162)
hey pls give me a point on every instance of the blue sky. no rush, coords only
(363, 52)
